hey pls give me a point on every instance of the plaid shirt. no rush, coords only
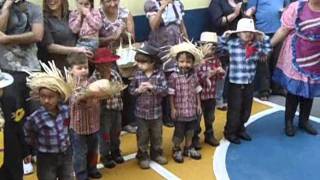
(85, 26)
(115, 102)
(208, 84)
(46, 133)
(84, 114)
(242, 69)
(148, 104)
(184, 88)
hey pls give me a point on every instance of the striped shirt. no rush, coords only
(208, 84)
(115, 102)
(48, 134)
(242, 69)
(184, 88)
(84, 114)
(85, 26)
(148, 104)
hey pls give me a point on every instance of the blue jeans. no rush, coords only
(85, 153)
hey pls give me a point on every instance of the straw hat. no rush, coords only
(246, 25)
(5, 79)
(186, 47)
(104, 55)
(104, 88)
(208, 37)
(51, 79)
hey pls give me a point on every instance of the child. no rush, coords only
(110, 123)
(84, 120)
(244, 51)
(184, 90)
(208, 73)
(149, 86)
(47, 129)
(86, 22)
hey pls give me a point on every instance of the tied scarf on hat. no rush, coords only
(250, 50)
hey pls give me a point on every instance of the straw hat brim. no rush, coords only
(186, 47)
(6, 81)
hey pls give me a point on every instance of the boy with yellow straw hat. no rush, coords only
(47, 128)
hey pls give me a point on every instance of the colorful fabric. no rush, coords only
(85, 26)
(48, 134)
(208, 84)
(148, 105)
(298, 68)
(184, 88)
(242, 70)
(84, 114)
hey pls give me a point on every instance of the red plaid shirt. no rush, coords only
(184, 88)
(84, 114)
(208, 84)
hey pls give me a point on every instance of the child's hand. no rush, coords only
(173, 113)
(220, 71)
(142, 88)
(27, 159)
(199, 110)
(264, 58)
(250, 12)
(260, 37)
(226, 34)
(85, 11)
(211, 73)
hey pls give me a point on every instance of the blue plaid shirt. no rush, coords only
(242, 69)
(48, 134)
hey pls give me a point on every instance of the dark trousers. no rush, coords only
(183, 130)
(128, 116)
(208, 108)
(240, 99)
(110, 129)
(149, 132)
(14, 101)
(85, 153)
(52, 166)
(305, 105)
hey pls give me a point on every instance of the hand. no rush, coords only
(7, 4)
(173, 113)
(237, 9)
(3, 38)
(148, 85)
(226, 34)
(211, 73)
(220, 71)
(85, 11)
(84, 50)
(142, 88)
(260, 36)
(250, 12)
(164, 3)
(199, 110)
(27, 159)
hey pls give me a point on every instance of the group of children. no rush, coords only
(65, 135)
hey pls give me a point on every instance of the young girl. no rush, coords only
(185, 103)
(86, 22)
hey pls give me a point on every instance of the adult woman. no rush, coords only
(298, 68)
(58, 40)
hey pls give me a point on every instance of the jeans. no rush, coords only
(208, 108)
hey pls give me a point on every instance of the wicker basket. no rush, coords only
(127, 71)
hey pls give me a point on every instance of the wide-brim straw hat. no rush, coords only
(208, 37)
(187, 47)
(246, 25)
(5, 79)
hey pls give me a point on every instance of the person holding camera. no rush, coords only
(21, 26)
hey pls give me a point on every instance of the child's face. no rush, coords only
(80, 71)
(104, 68)
(84, 3)
(49, 99)
(246, 36)
(54, 5)
(145, 66)
(185, 63)
(110, 5)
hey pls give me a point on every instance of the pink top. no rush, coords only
(85, 26)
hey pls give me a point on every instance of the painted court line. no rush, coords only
(163, 171)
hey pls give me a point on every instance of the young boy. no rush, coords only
(111, 110)
(208, 73)
(47, 129)
(149, 86)
(84, 120)
(184, 90)
(244, 51)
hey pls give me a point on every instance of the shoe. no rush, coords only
(212, 141)
(130, 129)
(307, 127)
(95, 174)
(177, 156)
(196, 144)
(245, 136)
(224, 107)
(192, 153)
(233, 139)
(144, 163)
(160, 160)
(289, 129)
(116, 156)
(108, 162)
(168, 124)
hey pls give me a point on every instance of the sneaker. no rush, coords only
(169, 124)
(192, 153)
(144, 163)
(177, 156)
(196, 144)
(27, 168)
(307, 127)
(160, 160)
(223, 107)
(94, 174)
(116, 156)
(130, 129)
(212, 141)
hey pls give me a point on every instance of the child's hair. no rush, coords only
(77, 59)
(140, 57)
(91, 3)
(188, 55)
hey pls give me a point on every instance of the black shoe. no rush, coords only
(196, 144)
(307, 127)
(212, 141)
(95, 174)
(108, 162)
(233, 139)
(116, 156)
(168, 124)
(289, 129)
(245, 136)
